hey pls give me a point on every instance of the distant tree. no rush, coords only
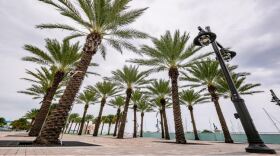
(143, 106)
(2, 122)
(117, 102)
(20, 124)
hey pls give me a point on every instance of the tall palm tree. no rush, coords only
(205, 74)
(105, 89)
(190, 98)
(170, 53)
(103, 22)
(72, 118)
(239, 81)
(88, 118)
(160, 89)
(61, 58)
(143, 106)
(129, 77)
(117, 102)
(111, 120)
(31, 115)
(87, 97)
(135, 98)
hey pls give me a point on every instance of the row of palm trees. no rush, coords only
(64, 67)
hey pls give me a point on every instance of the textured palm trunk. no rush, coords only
(31, 124)
(102, 128)
(46, 103)
(161, 124)
(56, 121)
(179, 130)
(117, 122)
(215, 99)
(98, 120)
(83, 119)
(135, 121)
(124, 115)
(163, 104)
(142, 119)
(109, 128)
(193, 123)
(70, 127)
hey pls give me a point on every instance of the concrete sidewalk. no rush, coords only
(129, 146)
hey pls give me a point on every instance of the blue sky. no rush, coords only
(249, 27)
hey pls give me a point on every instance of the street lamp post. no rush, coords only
(256, 145)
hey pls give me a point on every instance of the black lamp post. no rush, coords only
(256, 145)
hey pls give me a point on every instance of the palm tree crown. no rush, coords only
(168, 52)
(130, 77)
(159, 88)
(108, 19)
(104, 89)
(242, 87)
(31, 114)
(190, 97)
(59, 56)
(87, 97)
(117, 102)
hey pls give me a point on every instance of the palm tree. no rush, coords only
(135, 98)
(72, 118)
(103, 23)
(143, 106)
(170, 53)
(206, 73)
(129, 77)
(87, 97)
(190, 98)
(117, 102)
(88, 118)
(239, 81)
(105, 89)
(31, 115)
(61, 58)
(160, 89)
(111, 119)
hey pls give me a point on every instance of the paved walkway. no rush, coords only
(139, 146)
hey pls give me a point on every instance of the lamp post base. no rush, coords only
(259, 148)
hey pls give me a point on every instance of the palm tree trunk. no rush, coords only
(56, 121)
(142, 118)
(124, 116)
(86, 131)
(117, 121)
(215, 99)
(31, 124)
(163, 104)
(70, 127)
(161, 124)
(109, 128)
(193, 123)
(134, 121)
(98, 120)
(46, 103)
(179, 130)
(83, 119)
(102, 128)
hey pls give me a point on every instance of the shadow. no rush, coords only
(228, 143)
(20, 143)
(188, 143)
